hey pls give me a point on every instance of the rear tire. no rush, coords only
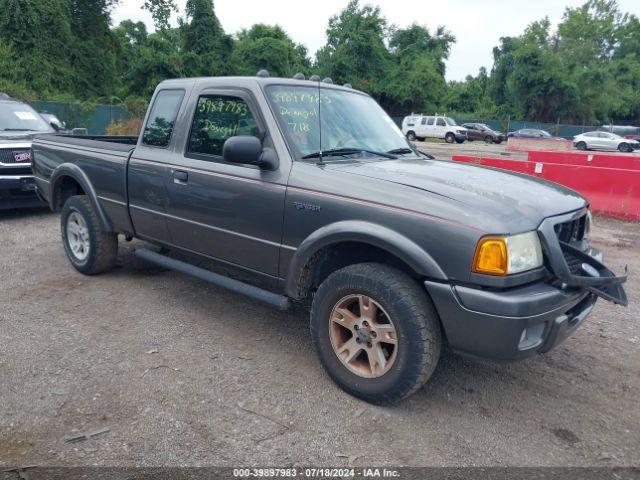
(89, 249)
(449, 138)
(581, 146)
(399, 304)
(411, 136)
(625, 147)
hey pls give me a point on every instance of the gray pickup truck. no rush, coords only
(312, 195)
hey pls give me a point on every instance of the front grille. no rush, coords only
(573, 262)
(8, 158)
(572, 231)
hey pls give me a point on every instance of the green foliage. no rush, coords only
(587, 70)
(206, 46)
(355, 51)
(268, 47)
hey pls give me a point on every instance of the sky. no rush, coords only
(477, 24)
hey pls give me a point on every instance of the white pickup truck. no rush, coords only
(433, 126)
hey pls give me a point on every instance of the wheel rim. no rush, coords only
(78, 236)
(363, 336)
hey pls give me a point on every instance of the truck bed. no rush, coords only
(119, 143)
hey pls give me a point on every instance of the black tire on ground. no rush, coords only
(581, 146)
(488, 139)
(417, 327)
(625, 147)
(103, 246)
(411, 136)
(449, 138)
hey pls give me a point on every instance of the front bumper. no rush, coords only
(18, 191)
(511, 324)
(460, 136)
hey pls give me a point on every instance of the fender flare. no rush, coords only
(73, 171)
(362, 232)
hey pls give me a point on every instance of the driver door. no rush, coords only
(225, 211)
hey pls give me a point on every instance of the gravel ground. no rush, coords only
(183, 373)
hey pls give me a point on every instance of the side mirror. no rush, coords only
(247, 149)
(55, 126)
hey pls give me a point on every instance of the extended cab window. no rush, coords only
(157, 132)
(218, 118)
(430, 121)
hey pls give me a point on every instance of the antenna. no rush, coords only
(320, 162)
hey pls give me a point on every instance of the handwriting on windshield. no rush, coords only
(290, 97)
(223, 105)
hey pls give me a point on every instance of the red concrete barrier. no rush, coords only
(611, 183)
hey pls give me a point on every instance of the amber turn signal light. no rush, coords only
(491, 257)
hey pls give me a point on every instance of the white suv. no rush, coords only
(436, 126)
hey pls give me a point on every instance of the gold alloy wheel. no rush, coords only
(363, 336)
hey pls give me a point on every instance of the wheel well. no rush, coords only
(66, 187)
(336, 256)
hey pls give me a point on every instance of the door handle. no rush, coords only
(180, 176)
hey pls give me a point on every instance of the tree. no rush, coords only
(268, 47)
(355, 51)
(35, 38)
(94, 54)
(206, 46)
(415, 80)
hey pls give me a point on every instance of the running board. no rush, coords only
(280, 302)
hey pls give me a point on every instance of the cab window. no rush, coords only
(217, 118)
(159, 127)
(441, 122)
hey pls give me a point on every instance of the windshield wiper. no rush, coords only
(404, 150)
(401, 151)
(16, 129)
(347, 151)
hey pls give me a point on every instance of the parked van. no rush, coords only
(435, 126)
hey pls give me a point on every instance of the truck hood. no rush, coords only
(13, 137)
(520, 202)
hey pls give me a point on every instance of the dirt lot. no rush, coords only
(182, 373)
(444, 151)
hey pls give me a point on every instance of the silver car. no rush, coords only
(604, 141)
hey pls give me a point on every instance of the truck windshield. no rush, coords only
(20, 117)
(351, 122)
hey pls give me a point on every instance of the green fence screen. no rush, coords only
(94, 117)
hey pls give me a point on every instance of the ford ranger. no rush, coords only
(310, 193)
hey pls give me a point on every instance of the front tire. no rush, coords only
(376, 332)
(625, 148)
(449, 138)
(89, 249)
(488, 139)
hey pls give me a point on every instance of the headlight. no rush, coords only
(508, 255)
